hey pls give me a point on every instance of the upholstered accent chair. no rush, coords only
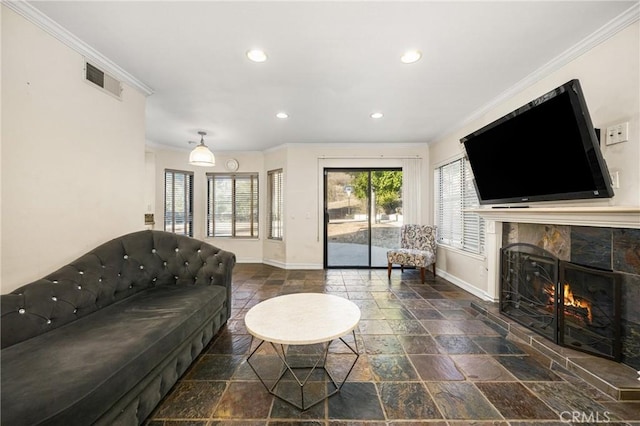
(417, 249)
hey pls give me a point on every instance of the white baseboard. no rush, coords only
(275, 263)
(290, 266)
(247, 260)
(305, 266)
(465, 285)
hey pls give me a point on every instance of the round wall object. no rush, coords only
(231, 164)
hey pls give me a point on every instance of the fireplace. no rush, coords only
(590, 319)
(573, 305)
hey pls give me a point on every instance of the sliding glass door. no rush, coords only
(363, 215)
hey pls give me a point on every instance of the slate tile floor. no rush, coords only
(426, 358)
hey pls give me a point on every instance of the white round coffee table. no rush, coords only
(302, 319)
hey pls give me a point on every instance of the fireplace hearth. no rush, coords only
(572, 305)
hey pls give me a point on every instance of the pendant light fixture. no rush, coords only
(201, 155)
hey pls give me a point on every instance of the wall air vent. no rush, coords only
(103, 80)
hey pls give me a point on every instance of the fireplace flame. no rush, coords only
(569, 301)
(576, 302)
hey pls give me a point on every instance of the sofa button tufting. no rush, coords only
(177, 249)
(153, 251)
(98, 297)
(164, 263)
(126, 256)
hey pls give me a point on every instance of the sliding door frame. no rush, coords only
(325, 209)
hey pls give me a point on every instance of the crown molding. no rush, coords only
(54, 29)
(602, 34)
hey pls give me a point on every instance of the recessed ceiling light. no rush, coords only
(256, 55)
(411, 56)
(376, 115)
(282, 115)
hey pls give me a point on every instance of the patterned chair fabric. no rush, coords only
(417, 249)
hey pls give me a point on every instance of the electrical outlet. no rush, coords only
(618, 133)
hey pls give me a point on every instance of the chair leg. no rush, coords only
(422, 274)
(389, 270)
(401, 268)
(434, 270)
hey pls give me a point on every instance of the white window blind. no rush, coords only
(449, 204)
(275, 205)
(455, 194)
(178, 202)
(232, 205)
(472, 223)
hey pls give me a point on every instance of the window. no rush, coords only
(178, 202)
(275, 204)
(232, 205)
(455, 194)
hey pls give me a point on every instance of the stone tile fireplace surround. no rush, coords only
(605, 248)
(571, 304)
(605, 237)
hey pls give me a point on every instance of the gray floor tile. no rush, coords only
(425, 359)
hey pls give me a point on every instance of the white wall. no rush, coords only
(610, 77)
(247, 250)
(302, 165)
(72, 156)
(150, 183)
(304, 226)
(275, 251)
(1, 203)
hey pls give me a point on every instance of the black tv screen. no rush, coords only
(545, 150)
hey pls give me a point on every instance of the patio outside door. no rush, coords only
(363, 215)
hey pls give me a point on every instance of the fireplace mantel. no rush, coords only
(605, 216)
(623, 217)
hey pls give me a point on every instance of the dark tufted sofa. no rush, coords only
(103, 339)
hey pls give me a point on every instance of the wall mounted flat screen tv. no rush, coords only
(545, 150)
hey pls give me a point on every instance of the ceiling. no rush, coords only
(330, 64)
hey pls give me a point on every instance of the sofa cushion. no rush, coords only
(75, 369)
